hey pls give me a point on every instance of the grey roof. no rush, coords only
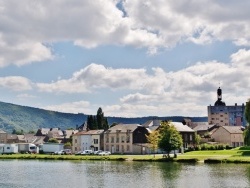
(90, 132)
(151, 123)
(233, 129)
(182, 128)
(123, 128)
(12, 137)
(203, 127)
(1, 131)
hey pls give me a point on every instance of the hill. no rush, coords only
(30, 119)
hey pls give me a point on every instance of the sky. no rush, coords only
(132, 58)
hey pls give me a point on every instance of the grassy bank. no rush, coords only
(237, 155)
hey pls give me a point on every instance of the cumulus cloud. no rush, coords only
(15, 83)
(158, 92)
(27, 26)
(97, 76)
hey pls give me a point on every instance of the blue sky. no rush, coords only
(132, 58)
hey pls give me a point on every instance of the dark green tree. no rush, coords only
(247, 130)
(247, 111)
(169, 138)
(102, 122)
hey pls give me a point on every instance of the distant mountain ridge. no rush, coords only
(25, 118)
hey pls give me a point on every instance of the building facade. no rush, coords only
(87, 140)
(230, 135)
(223, 115)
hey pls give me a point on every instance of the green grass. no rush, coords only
(237, 155)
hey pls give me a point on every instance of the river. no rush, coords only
(116, 174)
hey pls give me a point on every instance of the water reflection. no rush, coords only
(109, 174)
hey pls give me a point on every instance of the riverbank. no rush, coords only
(237, 155)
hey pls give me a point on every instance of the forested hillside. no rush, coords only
(30, 119)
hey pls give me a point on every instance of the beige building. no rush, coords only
(120, 139)
(231, 135)
(87, 140)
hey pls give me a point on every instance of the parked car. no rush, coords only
(64, 152)
(104, 153)
(67, 152)
(85, 152)
(61, 152)
(97, 152)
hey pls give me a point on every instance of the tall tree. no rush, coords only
(100, 118)
(153, 139)
(247, 112)
(247, 130)
(169, 139)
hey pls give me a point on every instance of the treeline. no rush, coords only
(98, 121)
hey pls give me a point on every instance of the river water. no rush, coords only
(116, 174)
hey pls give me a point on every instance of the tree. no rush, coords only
(153, 139)
(53, 140)
(247, 130)
(102, 122)
(169, 138)
(197, 139)
(247, 111)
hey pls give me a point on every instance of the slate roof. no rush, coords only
(233, 129)
(123, 128)
(203, 127)
(182, 128)
(90, 132)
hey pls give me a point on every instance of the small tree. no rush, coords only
(197, 139)
(169, 138)
(53, 140)
(152, 139)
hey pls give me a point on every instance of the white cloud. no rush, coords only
(26, 26)
(15, 83)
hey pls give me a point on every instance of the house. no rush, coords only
(87, 140)
(204, 128)
(57, 133)
(231, 135)
(3, 136)
(188, 134)
(123, 138)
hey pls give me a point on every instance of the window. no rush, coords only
(128, 148)
(112, 139)
(191, 137)
(128, 138)
(95, 148)
(117, 148)
(95, 141)
(123, 139)
(117, 139)
(107, 147)
(75, 141)
(107, 138)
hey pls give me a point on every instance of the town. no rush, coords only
(225, 126)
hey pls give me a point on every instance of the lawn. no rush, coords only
(234, 155)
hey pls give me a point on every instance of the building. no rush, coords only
(223, 115)
(87, 140)
(119, 138)
(231, 135)
(3, 136)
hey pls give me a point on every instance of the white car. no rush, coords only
(97, 152)
(104, 153)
